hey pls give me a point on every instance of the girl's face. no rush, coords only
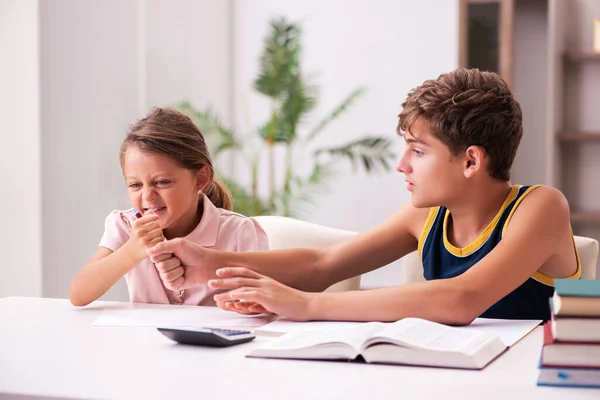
(157, 184)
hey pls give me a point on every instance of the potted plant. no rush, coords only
(292, 99)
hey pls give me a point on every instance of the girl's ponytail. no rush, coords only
(219, 195)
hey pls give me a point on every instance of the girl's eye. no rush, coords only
(417, 152)
(163, 182)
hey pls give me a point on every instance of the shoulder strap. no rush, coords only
(433, 212)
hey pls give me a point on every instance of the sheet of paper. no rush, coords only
(282, 325)
(175, 316)
(509, 331)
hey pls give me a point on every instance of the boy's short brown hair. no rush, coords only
(469, 107)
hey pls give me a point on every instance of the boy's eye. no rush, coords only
(163, 182)
(134, 185)
(418, 152)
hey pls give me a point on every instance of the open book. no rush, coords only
(410, 341)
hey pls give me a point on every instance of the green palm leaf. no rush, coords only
(369, 152)
(299, 101)
(279, 62)
(243, 201)
(302, 191)
(337, 111)
(218, 137)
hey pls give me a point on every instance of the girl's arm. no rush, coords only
(106, 267)
(98, 275)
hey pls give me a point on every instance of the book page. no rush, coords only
(421, 334)
(350, 336)
(508, 330)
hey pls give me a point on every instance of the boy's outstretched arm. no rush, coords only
(530, 240)
(305, 269)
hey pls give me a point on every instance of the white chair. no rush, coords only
(586, 247)
(285, 233)
(588, 255)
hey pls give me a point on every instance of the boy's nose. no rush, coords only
(402, 165)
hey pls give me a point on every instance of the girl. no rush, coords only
(170, 179)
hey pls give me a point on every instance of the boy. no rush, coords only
(488, 248)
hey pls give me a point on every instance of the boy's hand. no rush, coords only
(263, 293)
(145, 233)
(191, 265)
(243, 307)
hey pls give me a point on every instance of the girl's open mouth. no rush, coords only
(155, 210)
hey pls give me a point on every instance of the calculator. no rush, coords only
(213, 337)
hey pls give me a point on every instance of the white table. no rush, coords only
(48, 348)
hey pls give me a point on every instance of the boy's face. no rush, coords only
(157, 184)
(433, 175)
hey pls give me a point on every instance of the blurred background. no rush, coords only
(74, 74)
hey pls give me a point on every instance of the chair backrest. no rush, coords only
(588, 255)
(586, 247)
(285, 233)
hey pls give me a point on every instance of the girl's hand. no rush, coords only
(267, 294)
(145, 233)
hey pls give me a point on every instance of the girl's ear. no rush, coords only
(474, 157)
(203, 176)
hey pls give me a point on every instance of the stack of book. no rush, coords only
(571, 349)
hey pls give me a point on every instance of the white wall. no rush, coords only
(188, 53)
(20, 201)
(81, 72)
(189, 56)
(580, 104)
(530, 88)
(104, 64)
(387, 46)
(89, 96)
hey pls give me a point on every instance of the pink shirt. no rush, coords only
(218, 229)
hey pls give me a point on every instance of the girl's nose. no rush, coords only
(148, 194)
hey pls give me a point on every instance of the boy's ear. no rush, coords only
(202, 177)
(473, 162)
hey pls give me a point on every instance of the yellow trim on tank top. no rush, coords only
(538, 276)
(549, 281)
(529, 190)
(433, 212)
(485, 235)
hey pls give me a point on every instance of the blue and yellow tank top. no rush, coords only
(443, 260)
